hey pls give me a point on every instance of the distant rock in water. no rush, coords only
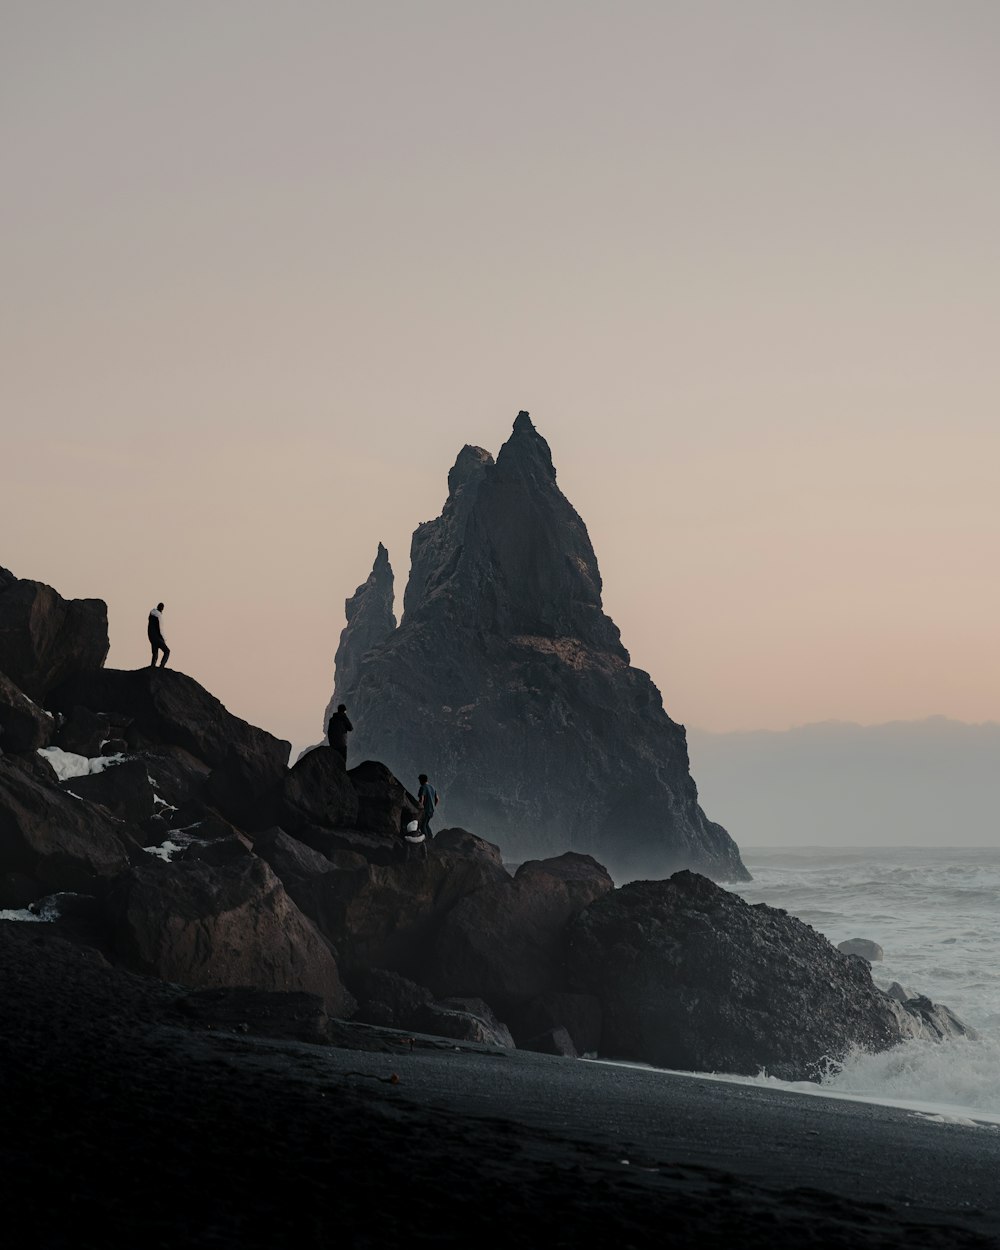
(864, 947)
(509, 685)
(370, 621)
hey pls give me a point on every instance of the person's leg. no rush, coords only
(166, 655)
(152, 662)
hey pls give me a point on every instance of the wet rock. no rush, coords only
(897, 992)
(691, 976)
(24, 726)
(863, 947)
(509, 685)
(221, 925)
(918, 1017)
(45, 639)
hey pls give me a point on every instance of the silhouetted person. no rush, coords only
(156, 640)
(338, 729)
(428, 799)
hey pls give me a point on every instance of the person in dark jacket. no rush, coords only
(338, 729)
(154, 631)
(428, 800)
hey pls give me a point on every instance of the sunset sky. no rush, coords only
(267, 266)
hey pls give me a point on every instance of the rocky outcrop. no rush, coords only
(51, 837)
(206, 925)
(318, 791)
(46, 639)
(864, 947)
(370, 621)
(505, 942)
(24, 726)
(691, 976)
(165, 707)
(509, 685)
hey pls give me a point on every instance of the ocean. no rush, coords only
(936, 914)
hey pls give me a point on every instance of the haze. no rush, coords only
(268, 267)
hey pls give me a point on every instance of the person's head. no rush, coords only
(422, 779)
(341, 707)
(159, 607)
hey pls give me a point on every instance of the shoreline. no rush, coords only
(130, 1125)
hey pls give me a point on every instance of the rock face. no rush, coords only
(370, 621)
(691, 976)
(208, 925)
(23, 725)
(169, 708)
(46, 639)
(508, 684)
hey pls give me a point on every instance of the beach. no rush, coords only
(130, 1123)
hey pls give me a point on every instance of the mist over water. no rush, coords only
(934, 913)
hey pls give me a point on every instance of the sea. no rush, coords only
(936, 915)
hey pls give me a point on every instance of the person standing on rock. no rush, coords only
(154, 632)
(428, 800)
(337, 731)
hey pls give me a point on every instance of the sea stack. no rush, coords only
(507, 682)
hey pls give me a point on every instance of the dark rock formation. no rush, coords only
(383, 804)
(123, 789)
(207, 925)
(370, 621)
(505, 942)
(862, 946)
(691, 976)
(508, 684)
(44, 638)
(318, 791)
(24, 726)
(58, 841)
(169, 708)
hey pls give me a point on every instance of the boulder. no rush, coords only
(24, 726)
(900, 994)
(506, 941)
(123, 789)
(50, 836)
(386, 916)
(690, 976)
(318, 791)
(168, 708)
(918, 1017)
(45, 639)
(461, 1025)
(384, 804)
(863, 947)
(462, 842)
(221, 925)
(579, 1015)
(552, 1042)
(387, 999)
(84, 732)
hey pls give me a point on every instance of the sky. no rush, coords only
(267, 267)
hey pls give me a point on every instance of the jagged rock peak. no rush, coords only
(370, 621)
(468, 467)
(526, 447)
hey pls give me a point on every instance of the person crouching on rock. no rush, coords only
(154, 632)
(337, 731)
(428, 800)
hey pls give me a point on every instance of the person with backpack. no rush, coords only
(154, 632)
(427, 798)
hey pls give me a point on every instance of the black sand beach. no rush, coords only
(125, 1124)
